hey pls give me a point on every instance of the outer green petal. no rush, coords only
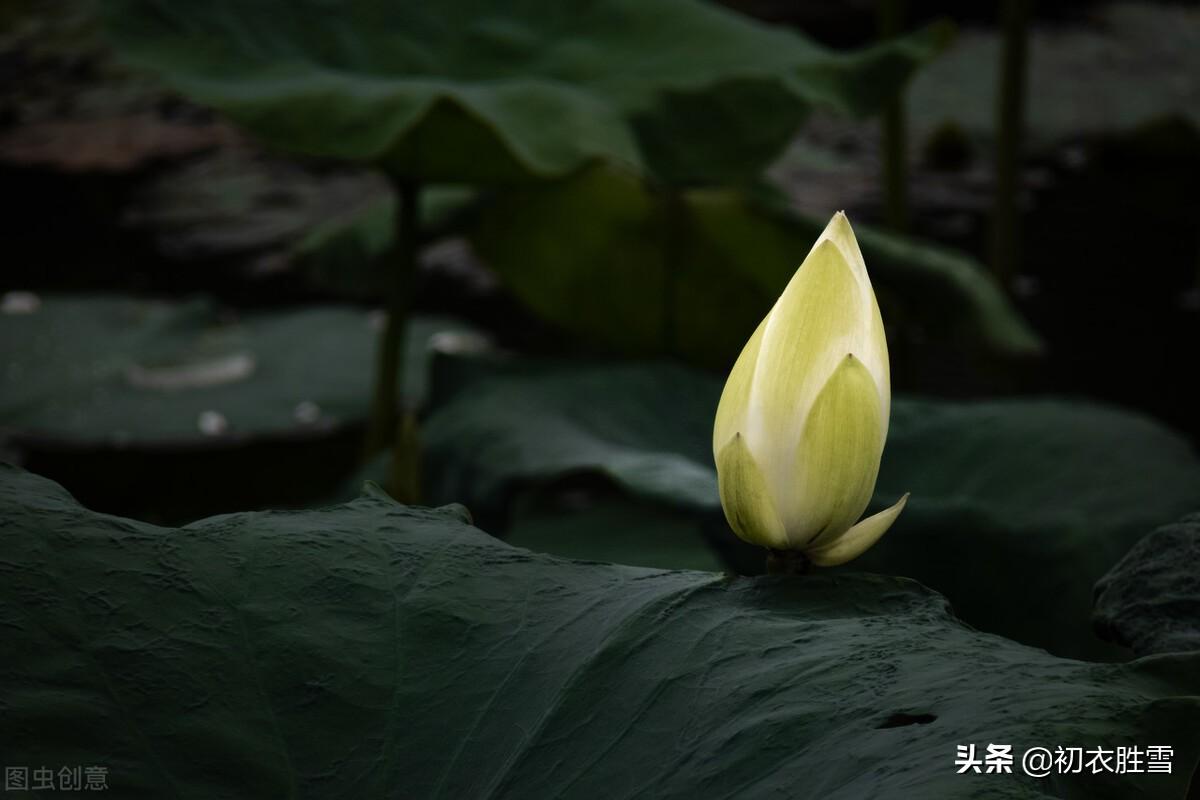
(858, 539)
(837, 459)
(744, 496)
(735, 398)
(819, 318)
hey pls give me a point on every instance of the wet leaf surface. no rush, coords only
(373, 650)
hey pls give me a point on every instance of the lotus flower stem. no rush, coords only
(890, 16)
(1010, 120)
(384, 429)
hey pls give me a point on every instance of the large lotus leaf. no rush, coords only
(1150, 601)
(1054, 491)
(127, 372)
(374, 650)
(692, 273)
(647, 428)
(171, 411)
(476, 91)
(1017, 506)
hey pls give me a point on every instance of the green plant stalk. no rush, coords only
(890, 17)
(1010, 120)
(383, 427)
(404, 481)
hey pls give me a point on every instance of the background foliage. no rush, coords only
(213, 200)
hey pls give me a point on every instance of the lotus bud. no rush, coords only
(802, 420)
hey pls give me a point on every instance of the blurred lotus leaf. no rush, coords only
(173, 411)
(496, 428)
(1017, 506)
(634, 270)
(1150, 601)
(373, 650)
(470, 91)
(128, 372)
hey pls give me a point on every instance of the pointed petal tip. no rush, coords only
(825, 249)
(840, 233)
(828, 244)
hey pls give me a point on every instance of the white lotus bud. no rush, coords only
(802, 420)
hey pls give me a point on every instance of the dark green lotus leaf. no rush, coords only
(1017, 506)
(374, 650)
(570, 515)
(1150, 601)
(630, 269)
(120, 371)
(470, 91)
(1054, 493)
(171, 412)
(647, 428)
